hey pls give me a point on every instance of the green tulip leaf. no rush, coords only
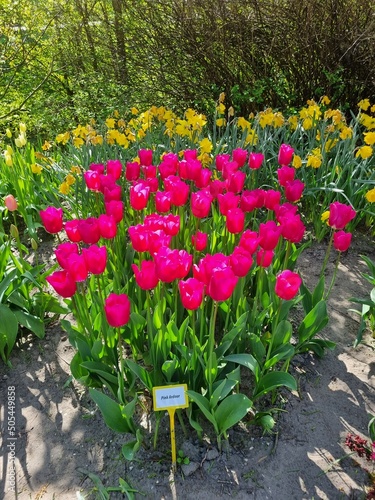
(114, 414)
(231, 411)
(271, 380)
(314, 322)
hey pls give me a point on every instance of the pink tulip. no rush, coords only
(63, 283)
(292, 228)
(227, 201)
(64, 251)
(76, 267)
(294, 190)
(115, 208)
(111, 193)
(201, 203)
(89, 230)
(190, 154)
(179, 190)
(250, 200)
(222, 284)
(191, 293)
(255, 160)
(235, 182)
(145, 276)
(208, 264)
(11, 203)
(107, 226)
(139, 237)
(199, 241)
(171, 224)
(285, 174)
(163, 200)
(265, 257)
(97, 167)
(217, 187)
(340, 215)
(239, 155)
(287, 284)
(139, 195)
(240, 261)
(269, 234)
(235, 220)
(285, 155)
(92, 180)
(342, 240)
(172, 264)
(249, 241)
(272, 199)
(145, 157)
(114, 168)
(117, 309)
(132, 171)
(95, 258)
(157, 240)
(221, 160)
(72, 231)
(52, 219)
(204, 178)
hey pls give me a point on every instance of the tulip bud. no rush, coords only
(14, 231)
(10, 203)
(34, 244)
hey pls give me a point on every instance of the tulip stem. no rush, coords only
(121, 367)
(327, 255)
(211, 345)
(333, 277)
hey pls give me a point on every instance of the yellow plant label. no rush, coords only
(170, 396)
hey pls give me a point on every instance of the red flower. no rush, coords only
(190, 154)
(114, 168)
(235, 220)
(239, 155)
(221, 160)
(217, 187)
(294, 190)
(222, 283)
(63, 283)
(116, 209)
(145, 156)
(52, 219)
(255, 160)
(191, 293)
(340, 215)
(204, 178)
(285, 174)
(199, 241)
(287, 284)
(76, 267)
(235, 182)
(64, 251)
(265, 257)
(139, 195)
(145, 276)
(272, 199)
(227, 201)
(201, 203)
(250, 200)
(285, 155)
(240, 261)
(163, 201)
(132, 171)
(210, 263)
(112, 192)
(72, 231)
(171, 224)
(117, 309)
(179, 190)
(292, 228)
(92, 180)
(172, 264)
(249, 241)
(190, 169)
(269, 234)
(97, 167)
(139, 237)
(89, 230)
(95, 258)
(107, 226)
(342, 240)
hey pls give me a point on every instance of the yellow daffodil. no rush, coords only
(297, 161)
(364, 152)
(97, 140)
(78, 142)
(70, 179)
(278, 120)
(64, 188)
(325, 100)
(8, 133)
(370, 195)
(220, 108)
(220, 122)
(205, 146)
(330, 144)
(251, 138)
(205, 159)
(110, 123)
(75, 169)
(36, 169)
(242, 123)
(134, 111)
(222, 97)
(63, 138)
(325, 216)
(46, 146)
(369, 138)
(314, 159)
(346, 133)
(293, 122)
(364, 104)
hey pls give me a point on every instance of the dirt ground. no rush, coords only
(62, 447)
